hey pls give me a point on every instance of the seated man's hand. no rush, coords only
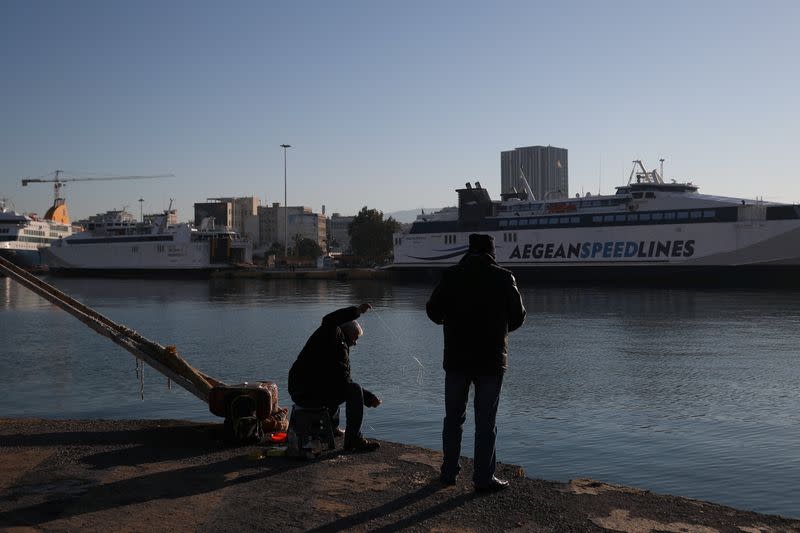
(370, 400)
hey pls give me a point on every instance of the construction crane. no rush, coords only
(59, 181)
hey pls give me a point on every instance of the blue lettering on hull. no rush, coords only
(614, 250)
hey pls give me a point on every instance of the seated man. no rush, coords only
(320, 377)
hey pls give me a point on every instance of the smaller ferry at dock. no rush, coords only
(24, 236)
(650, 230)
(153, 248)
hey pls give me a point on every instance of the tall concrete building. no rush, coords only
(238, 213)
(338, 236)
(302, 221)
(545, 167)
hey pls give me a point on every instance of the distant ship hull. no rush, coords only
(647, 233)
(179, 253)
(27, 259)
(22, 237)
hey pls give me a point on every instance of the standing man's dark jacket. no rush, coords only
(478, 303)
(321, 373)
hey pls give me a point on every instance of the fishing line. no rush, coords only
(397, 337)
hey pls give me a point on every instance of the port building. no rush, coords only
(302, 222)
(338, 234)
(239, 214)
(546, 168)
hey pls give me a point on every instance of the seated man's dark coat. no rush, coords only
(321, 373)
(479, 303)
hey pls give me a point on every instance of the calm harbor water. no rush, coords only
(688, 392)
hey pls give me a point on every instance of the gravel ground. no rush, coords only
(166, 475)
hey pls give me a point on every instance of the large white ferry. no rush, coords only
(648, 230)
(22, 237)
(141, 249)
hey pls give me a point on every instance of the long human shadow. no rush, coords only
(397, 504)
(151, 444)
(166, 485)
(428, 513)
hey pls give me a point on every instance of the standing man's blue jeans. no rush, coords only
(487, 398)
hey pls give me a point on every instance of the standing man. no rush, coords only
(320, 377)
(478, 303)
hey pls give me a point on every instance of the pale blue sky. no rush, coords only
(391, 105)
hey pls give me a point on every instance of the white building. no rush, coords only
(237, 213)
(338, 233)
(301, 221)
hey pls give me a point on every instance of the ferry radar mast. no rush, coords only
(640, 175)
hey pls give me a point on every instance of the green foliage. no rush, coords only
(306, 247)
(371, 236)
(276, 249)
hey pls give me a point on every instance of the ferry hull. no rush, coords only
(134, 273)
(765, 253)
(27, 259)
(667, 275)
(137, 259)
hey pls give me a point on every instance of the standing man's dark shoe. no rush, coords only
(360, 445)
(495, 484)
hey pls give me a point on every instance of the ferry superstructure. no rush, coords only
(144, 249)
(649, 229)
(22, 237)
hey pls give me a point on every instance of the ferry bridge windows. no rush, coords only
(638, 195)
(509, 237)
(707, 215)
(37, 240)
(513, 222)
(398, 241)
(650, 194)
(449, 239)
(134, 249)
(160, 248)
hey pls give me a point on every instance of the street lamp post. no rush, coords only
(141, 211)
(285, 208)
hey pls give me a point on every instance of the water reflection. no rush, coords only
(14, 296)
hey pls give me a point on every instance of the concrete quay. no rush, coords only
(168, 475)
